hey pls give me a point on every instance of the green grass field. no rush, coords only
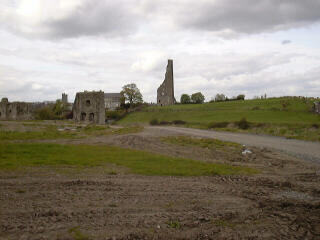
(15, 156)
(289, 117)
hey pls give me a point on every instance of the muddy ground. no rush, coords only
(281, 202)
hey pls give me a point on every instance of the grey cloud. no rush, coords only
(95, 17)
(247, 16)
(285, 42)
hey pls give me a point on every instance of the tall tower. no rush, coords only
(64, 98)
(165, 93)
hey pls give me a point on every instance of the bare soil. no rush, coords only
(282, 202)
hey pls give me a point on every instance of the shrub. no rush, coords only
(165, 123)
(218, 125)
(154, 122)
(178, 122)
(197, 98)
(241, 97)
(243, 124)
(185, 99)
(315, 125)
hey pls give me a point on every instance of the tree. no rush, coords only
(132, 94)
(220, 97)
(241, 97)
(185, 99)
(197, 97)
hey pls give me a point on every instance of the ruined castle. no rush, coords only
(15, 110)
(89, 107)
(165, 93)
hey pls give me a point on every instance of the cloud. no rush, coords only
(245, 16)
(59, 19)
(285, 42)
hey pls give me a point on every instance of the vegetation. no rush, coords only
(48, 132)
(53, 112)
(13, 156)
(290, 116)
(131, 93)
(197, 98)
(185, 99)
(202, 142)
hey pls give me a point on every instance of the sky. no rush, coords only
(251, 47)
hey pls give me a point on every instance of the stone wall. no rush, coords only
(89, 107)
(316, 107)
(15, 110)
(165, 93)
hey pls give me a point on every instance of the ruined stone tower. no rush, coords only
(165, 93)
(88, 107)
(64, 98)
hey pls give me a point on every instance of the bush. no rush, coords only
(197, 98)
(45, 113)
(154, 122)
(241, 97)
(165, 123)
(178, 122)
(185, 99)
(243, 124)
(218, 125)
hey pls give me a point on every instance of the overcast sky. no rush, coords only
(249, 47)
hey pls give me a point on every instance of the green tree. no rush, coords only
(185, 99)
(197, 97)
(131, 94)
(220, 97)
(241, 97)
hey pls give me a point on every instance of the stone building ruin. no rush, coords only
(112, 101)
(15, 110)
(64, 98)
(165, 93)
(89, 107)
(316, 107)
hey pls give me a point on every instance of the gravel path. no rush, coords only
(306, 150)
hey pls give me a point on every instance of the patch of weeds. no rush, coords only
(112, 173)
(315, 125)
(243, 124)
(178, 122)
(256, 108)
(77, 234)
(201, 142)
(174, 224)
(164, 123)
(113, 205)
(222, 223)
(127, 130)
(50, 132)
(218, 125)
(20, 191)
(154, 122)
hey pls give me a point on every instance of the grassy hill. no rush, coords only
(290, 117)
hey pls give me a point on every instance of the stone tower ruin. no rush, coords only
(64, 98)
(89, 107)
(165, 93)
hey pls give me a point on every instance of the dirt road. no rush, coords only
(302, 149)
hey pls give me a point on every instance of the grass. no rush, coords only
(49, 132)
(174, 224)
(13, 156)
(77, 234)
(201, 142)
(291, 113)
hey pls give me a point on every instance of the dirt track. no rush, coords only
(282, 202)
(302, 149)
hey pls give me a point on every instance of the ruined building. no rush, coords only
(64, 98)
(89, 107)
(15, 110)
(165, 93)
(112, 100)
(316, 107)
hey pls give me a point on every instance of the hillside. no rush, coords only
(290, 117)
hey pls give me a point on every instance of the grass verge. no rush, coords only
(13, 156)
(201, 142)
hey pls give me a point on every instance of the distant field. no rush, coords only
(290, 117)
